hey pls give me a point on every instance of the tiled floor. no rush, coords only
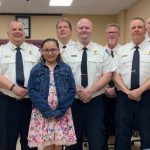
(134, 140)
(135, 145)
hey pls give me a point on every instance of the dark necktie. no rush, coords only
(111, 83)
(135, 69)
(84, 76)
(64, 47)
(19, 68)
(112, 54)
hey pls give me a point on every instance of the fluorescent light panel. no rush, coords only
(60, 2)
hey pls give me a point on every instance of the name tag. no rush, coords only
(7, 56)
(124, 55)
(73, 55)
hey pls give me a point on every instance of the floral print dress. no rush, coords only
(44, 132)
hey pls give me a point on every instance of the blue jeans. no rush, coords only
(126, 111)
(89, 121)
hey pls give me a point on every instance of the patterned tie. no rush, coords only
(84, 76)
(19, 68)
(135, 69)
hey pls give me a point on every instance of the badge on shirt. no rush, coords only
(148, 52)
(108, 52)
(95, 51)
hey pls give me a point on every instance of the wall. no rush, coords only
(140, 9)
(99, 23)
(44, 26)
(3, 25)
(121, 22)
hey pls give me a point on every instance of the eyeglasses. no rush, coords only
(111, 33)
(52, 51)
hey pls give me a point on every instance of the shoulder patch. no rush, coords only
(107, 51)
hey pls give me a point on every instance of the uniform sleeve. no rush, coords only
(116, 60)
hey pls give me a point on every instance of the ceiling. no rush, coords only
(87, 7)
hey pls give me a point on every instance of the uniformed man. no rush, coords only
(92, 68)
(112, 35)
(16, 60)
(133, 79)
(64, 32)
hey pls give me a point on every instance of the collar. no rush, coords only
(141, 45)
(69, 43)
(58, 63)
(115, 49)
(80, 46)
(13, 47)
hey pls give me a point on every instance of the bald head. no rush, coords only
(84, 31)
(84, 20)
(12, 23)
(15, 32)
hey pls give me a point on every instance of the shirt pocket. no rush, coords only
(95, 66)
(31, 59)
(74, 58)
(29, 62)
(75, 64)
(125, 65)
(8, 64)
(145, 65)
(8, 60)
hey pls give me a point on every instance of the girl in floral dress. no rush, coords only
(51, 88)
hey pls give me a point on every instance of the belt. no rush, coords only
(13, 98)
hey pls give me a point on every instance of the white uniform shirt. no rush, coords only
(70, 43)
(30, 55)
(124, 62)
(98, 62)
(115, 49)
(148, 39)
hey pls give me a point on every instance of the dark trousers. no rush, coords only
(15, 122)
(3, 130)
(126, 111)
(109, 117)
(89, 121)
